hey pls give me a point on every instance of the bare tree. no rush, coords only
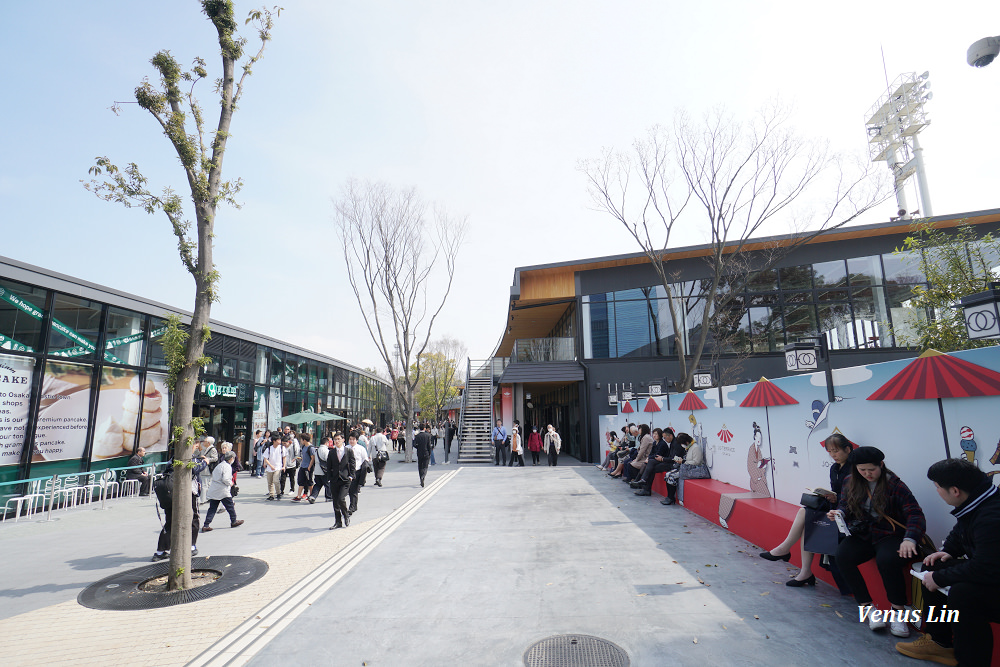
(401, 269)
(733, 181)
(441, 367)
(179, 115)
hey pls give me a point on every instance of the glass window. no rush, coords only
(301, 373)
(765, 281)
(629, 294)
(830, 274)
(598, 330)
(796, 297)
(831, 295)
(766, 330)
(246, 370)
(229, 368)
(75, 327)
(158, 327)
(290, 365)
(663, 329)
(985, 258)
(903, 268)
(796, 277)
(323, 381)
(836, 323)
(731, 330)
(261, 370)
(22, 308)
(632, 328)
(800, 321)
(871, 317)
(865, 270)
(277, 366)
(904, 313)
(125, 336)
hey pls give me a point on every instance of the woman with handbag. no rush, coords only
(839, 448)
(691, 466)
(886, 523)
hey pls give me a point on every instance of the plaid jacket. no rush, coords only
(902, 507)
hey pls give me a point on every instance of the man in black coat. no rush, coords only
(958, 626)
(661, 459)
(422, 443)
(340, 471)
(449, 434)
(138, 473)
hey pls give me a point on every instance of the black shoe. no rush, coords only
(347, 521)
(636, 485)
(644, 492)
(312, 501)
(336, 526)
(667, 501)
(767, 555)
(159, 557)
(269, 498)
(798, 583)
(194, 552)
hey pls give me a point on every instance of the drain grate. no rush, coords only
(575, 651)
(121, 592)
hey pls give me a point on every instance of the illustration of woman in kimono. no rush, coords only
(757, 469)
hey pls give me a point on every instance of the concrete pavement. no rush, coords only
(472, 570)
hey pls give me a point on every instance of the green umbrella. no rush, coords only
(331, 416)
(305, 417)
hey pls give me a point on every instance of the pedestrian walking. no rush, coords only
(499, 443)
(206, 447)
(340, 471)
(220, 491)
(319, 470)
(380, 455)
(307, 468)
(553, 443)
(422, 443)
(163, 487)
(293, 456)
(535, 445)
(260, 442)
(361, 463)
(448, 431)
(516, 447)
(274, 464)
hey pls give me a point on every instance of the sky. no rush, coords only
(485, 108)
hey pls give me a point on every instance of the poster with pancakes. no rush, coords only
(131, 413)
(63, 409)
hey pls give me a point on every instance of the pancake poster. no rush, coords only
(131, 413)
(61, 432)
(15, 390)
(155, 407)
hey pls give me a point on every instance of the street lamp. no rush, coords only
(981, 312)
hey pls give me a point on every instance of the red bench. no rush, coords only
(765, 522)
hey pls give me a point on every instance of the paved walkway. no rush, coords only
(471, 570)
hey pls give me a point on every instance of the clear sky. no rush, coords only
(485, 107)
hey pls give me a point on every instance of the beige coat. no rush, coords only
(645, 446)
(516, 446)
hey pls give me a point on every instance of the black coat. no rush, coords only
(976, 536)
(341, 472)
(422, 443)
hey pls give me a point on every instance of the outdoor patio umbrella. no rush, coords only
(766, 394)
(937, 375)
(691, 403)
(651, 406)
(305, 417)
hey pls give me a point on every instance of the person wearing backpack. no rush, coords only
(319, 471)
(274, 464)
(306, 469)
(293, 455)
(163, 488)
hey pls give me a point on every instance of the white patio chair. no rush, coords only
(129, 487)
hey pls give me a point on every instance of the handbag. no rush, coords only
(368, 466)
(925, 547)
(814, 502)
(234, 491)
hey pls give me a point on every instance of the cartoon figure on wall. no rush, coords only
(757, 470)
(968, 444)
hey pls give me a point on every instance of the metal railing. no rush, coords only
(535, 350)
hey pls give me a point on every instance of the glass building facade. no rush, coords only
(83, 379)
(854, 303)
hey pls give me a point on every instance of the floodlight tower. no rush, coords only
(893, 123)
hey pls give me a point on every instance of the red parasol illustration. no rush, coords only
(627, 407)
(766, 394)
(692, 402)
(651, 406)
(937, 375)
(725, 435)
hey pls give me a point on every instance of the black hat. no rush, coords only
(866, 455)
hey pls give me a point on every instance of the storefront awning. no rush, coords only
(549, 371)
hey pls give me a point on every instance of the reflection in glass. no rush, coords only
(800, 321)
(830, 274)
(796, 277)
(75, 327)
(905, 315)
(871, 317)
(766, 330)
(261, 369)
(836, 324)
(598, 330)
(632, 328)
(157, 328)
(765, 281)
(865, 270)
(124, 335)
(22, 308)
(277, 366)
(903, 268)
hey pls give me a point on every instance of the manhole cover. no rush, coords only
(122, 592)
(575, 651)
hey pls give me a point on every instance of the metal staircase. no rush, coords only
(475, 424)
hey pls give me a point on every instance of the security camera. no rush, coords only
(982, 52)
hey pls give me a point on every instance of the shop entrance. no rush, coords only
(557, 404)
(228, 423)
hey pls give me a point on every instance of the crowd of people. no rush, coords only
(512, 445)
(879, 520)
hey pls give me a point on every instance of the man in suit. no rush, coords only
(449, 434)
(340, 471)
(422, 443)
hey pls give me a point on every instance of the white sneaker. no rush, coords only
(899, 628)
(876, 625)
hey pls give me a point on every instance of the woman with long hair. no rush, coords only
(886, 523)
(839, 448)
